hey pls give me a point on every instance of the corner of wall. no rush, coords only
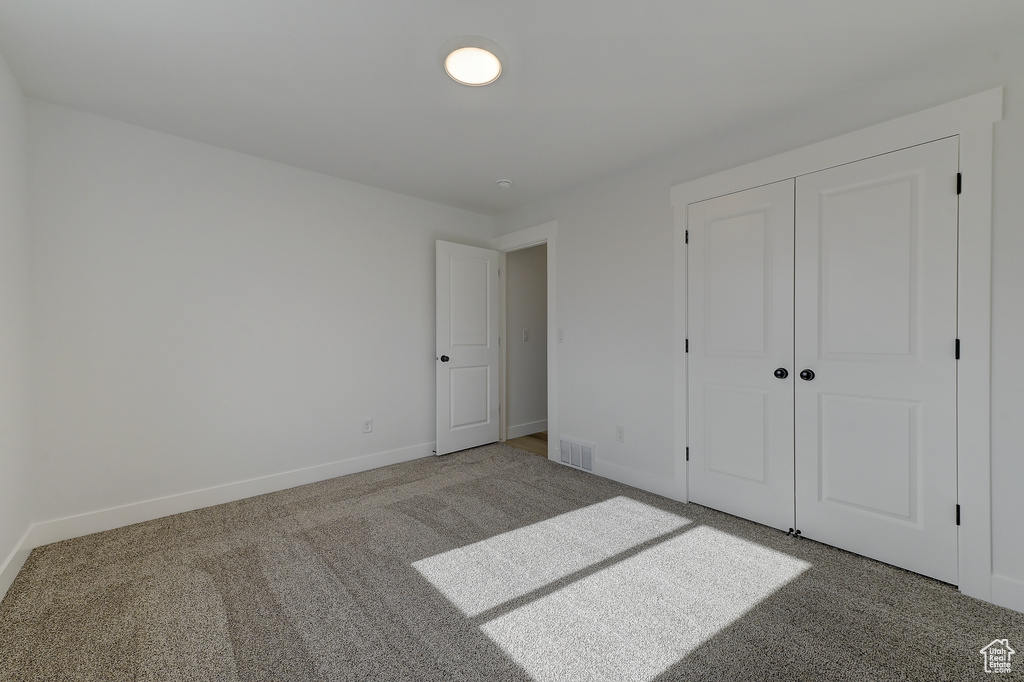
(16, 480)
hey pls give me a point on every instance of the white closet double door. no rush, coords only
(821, 328)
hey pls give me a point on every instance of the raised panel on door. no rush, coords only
(740, 330)
(467, 351)
(876, 256)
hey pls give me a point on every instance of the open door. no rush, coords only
(468, 351)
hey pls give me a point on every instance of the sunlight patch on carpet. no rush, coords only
(635, 619)
(617, 614)
(486, 574)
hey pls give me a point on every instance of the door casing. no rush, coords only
(545, 233)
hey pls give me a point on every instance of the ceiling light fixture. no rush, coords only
(472, 60)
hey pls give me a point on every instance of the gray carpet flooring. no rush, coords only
(489, 564)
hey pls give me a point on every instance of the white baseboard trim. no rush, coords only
(666, 487)
(46, 532)
(526, 429)
(1008, 592)
(15, 560)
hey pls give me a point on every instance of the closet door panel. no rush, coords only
(875, 322)
(740, 330)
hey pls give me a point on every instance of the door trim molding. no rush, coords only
(545, 233)
(972, 119)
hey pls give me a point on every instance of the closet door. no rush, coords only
(876, 259)
(740, 333)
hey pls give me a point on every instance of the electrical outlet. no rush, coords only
(526, 335)
(620, 434)
(368, 425)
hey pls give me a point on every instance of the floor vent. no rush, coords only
(576, 453)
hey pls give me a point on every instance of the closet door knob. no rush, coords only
(781, 373)
(445, 358)
(807, 375)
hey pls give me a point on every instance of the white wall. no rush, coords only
(615, 277)
(15, 361)
(527, 310)
(204, 317)
(614, 288)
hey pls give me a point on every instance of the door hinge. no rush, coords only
(687, 453)
(687, 237)
(959, 182)
(956, 350)
(958, 515)
(687, 348)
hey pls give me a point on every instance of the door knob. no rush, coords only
(445, 358)
(781, 373)
(807, 375)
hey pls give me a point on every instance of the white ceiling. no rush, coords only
(355, 88)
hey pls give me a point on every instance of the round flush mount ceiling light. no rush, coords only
(472, 66)
(472, 60)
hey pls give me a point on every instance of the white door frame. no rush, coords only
(515, 241)
(972, 119)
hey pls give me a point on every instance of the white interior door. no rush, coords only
(468, 323)
(740, 332)
(876, 259)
